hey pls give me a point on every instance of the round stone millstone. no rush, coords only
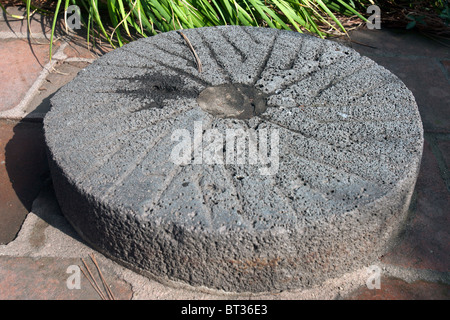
(325, 196)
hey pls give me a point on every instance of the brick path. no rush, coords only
(37, 245)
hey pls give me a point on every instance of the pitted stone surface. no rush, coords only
(349, 147)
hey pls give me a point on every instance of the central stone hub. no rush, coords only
(237, 101)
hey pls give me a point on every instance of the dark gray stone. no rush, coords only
(349, 148)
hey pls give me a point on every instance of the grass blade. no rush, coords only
(55, 18)
(96, 16)
(352, 10)
(122, 12)
(332, 16)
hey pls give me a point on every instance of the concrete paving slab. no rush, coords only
(60, 75)
(395, 42)
(444, 146)
(426, 239)
(79, 47)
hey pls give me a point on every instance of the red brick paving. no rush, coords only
(20, 66)
(23, 167)
(396, 289)
(39, 25)
(24, 278)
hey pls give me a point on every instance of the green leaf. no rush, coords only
(96, 16)
(352, 10)
(123, 15)
(325, 8)
(112, 9)
(259, 7)
(411, 25)
(153, 16)
(55, 18)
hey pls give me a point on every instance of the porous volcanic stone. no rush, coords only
(349, 147)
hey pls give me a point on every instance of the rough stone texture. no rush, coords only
(431, 97)
(350, 143)
(420, 62)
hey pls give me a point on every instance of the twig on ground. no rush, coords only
(108, 289)
(197, 59)
(92, 281)
(96, 286)
(362, 44)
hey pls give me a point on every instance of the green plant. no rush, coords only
(148, 17)
(415, 20)
(445, 14)
(429, 16)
